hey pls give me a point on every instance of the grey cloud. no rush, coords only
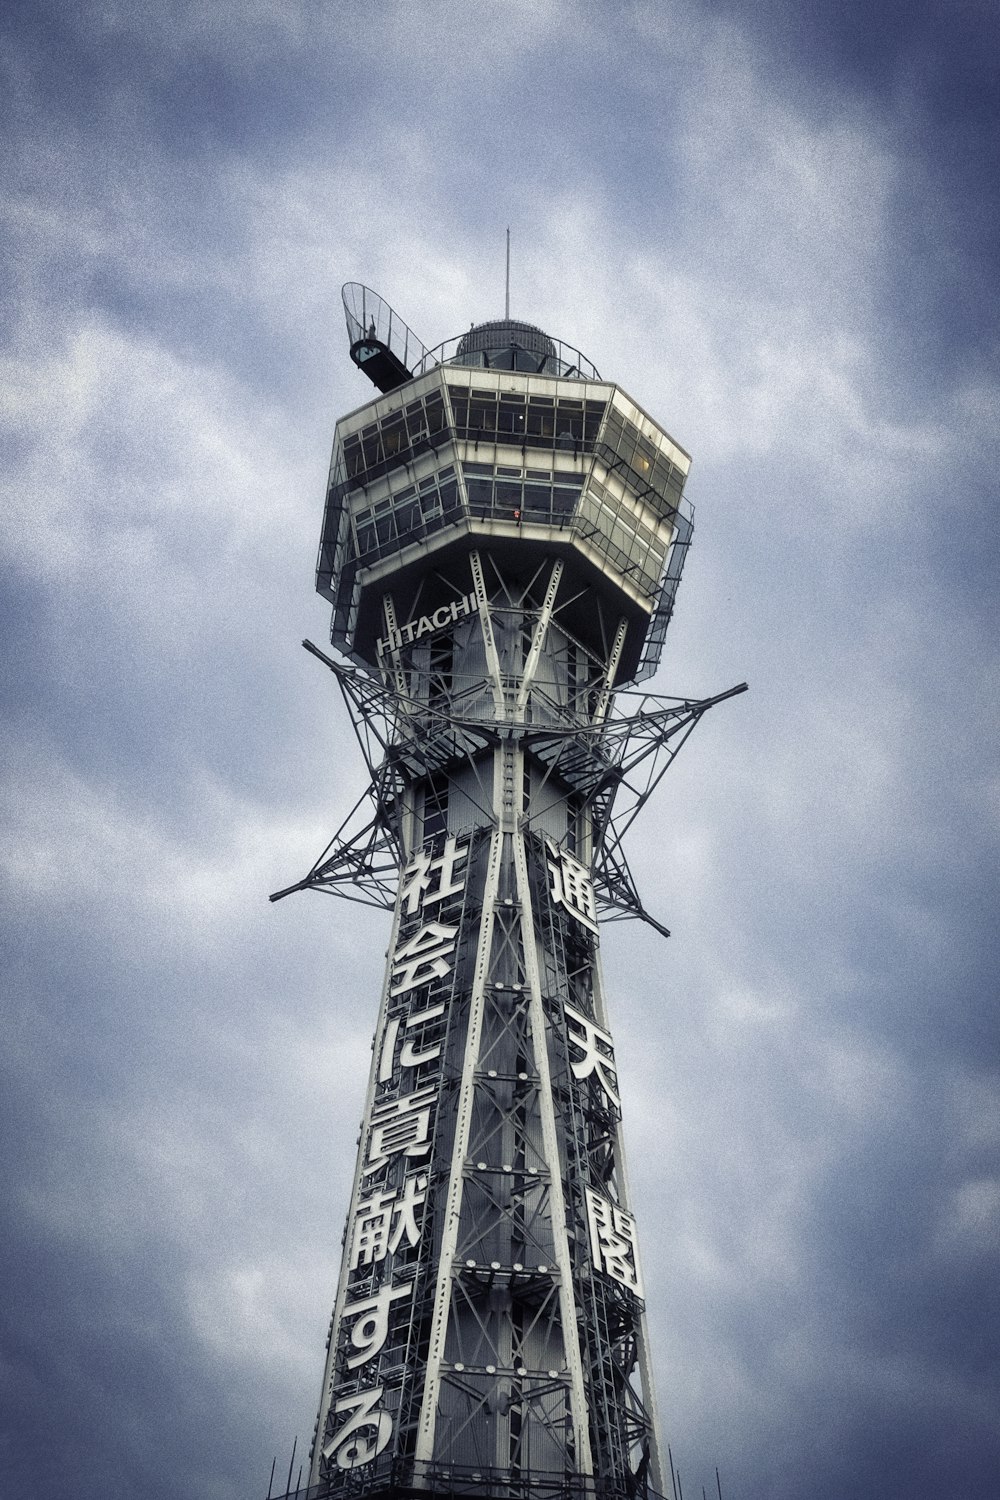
(809, 1066)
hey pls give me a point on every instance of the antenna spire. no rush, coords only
(506, 304)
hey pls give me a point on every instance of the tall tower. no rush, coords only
(503, 538)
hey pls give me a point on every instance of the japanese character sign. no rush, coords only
(422, 957)
(598, 1053)
(383, 1221)
(371, 1328)
(427, 880)
(412, 1054)
(400, 1126)
(365, 1433)
(613, 1241)
(572, 886)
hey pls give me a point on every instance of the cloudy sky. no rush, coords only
(776, 225)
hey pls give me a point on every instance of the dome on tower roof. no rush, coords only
(509, 344)
(505, 333)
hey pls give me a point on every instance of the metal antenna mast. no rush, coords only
(506, 303)
(503, 538)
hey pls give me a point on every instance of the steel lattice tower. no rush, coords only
(503, 537)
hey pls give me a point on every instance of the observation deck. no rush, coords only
(505, 439)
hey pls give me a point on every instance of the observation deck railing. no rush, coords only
(369, 316)
(371, 319)
(566, 361)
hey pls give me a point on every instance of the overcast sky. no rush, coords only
(775, 224)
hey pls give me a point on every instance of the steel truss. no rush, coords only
(488, 1336)
(614, 768)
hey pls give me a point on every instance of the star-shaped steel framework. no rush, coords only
(613, 767)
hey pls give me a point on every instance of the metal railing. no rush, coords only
(369, 316)
(411, 1480)
(566, 361)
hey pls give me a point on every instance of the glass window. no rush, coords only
(510, 420)
(569, 419)
(541, 418)
(564, 497)
(460, 408)
(371, 447)
(593, 412)
(408, 519)
(435, 413)
(430, 504)
(480, 492)
(394, 436)
(482, 417)
(645, 453)
(416, 423)
(449, 499)
(365, 536)
(508, 495)
(354, 461)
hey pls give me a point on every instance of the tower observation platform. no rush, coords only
(502, 542)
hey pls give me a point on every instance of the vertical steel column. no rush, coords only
(567, 1303)
(424, 1451)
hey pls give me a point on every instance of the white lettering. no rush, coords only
(445, 614)
(409, 1057)
(402, 1126)
(572, 886)
(598, 1053)
(350, 1448)
(416, 885)
(383, 1221)
(422, 957)
(613, 1241)
(372, 1327)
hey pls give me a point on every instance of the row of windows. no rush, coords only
(529, 420)
(532, 495)
(510, 494)
(626, 542)
(408, 514)
(396, 439)
(538, 422)
(412, 512)
(534, 421)
(622, 442)
(621, 511)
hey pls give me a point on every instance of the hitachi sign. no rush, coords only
(447, 614)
